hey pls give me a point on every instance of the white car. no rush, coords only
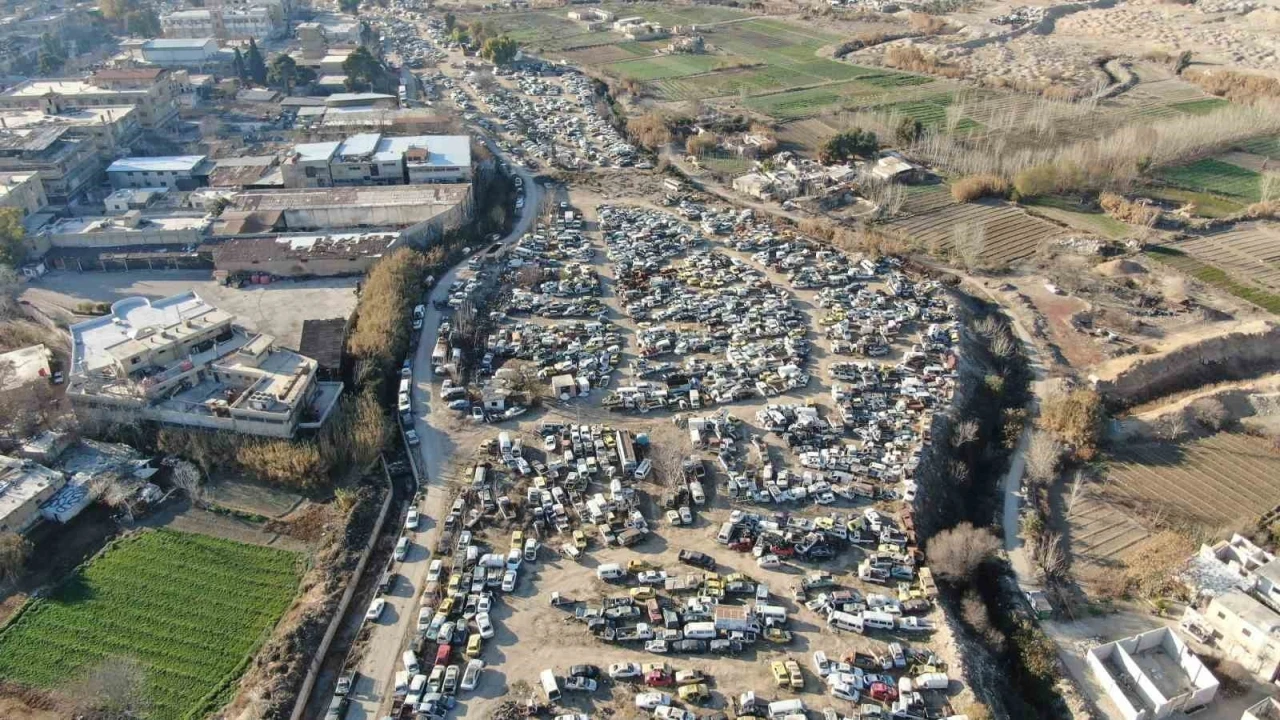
(769, 561)
(549, 443)
(402, 549)
(821, 665)
(464, 538)
(575, 716)
(424, 618)
(509, 581)
(651, 700)
(844, 692)
(484, 604)
(411, 520)
(485, 625)
(433, 572)
(375, 610)
(624, 671)
(666, 712)
(652, 577)
(411, 437)
(471, 676)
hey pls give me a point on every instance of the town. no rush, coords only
(677, 359)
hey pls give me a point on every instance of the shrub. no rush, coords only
(1235, 86)
(975, 187)
(1076, 417)
(956, 553)
(1137, 213)
(1036, 181)
(650, 130)
(701, 143)
(913, 59)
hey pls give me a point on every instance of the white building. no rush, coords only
(183, 52)
(175, 172)
(26, 485)
(1236, 585)
(259, 23)
(372, 159)
(1152, 675)
(182, 361)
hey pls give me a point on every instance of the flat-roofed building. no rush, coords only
(327, 255)
(176, 172)
(182, 361)
(373, 159)
(1152, 676)
(23, 191)
(150, 90)
(67, 165)
(184, 52)
(259, 23)
(24, 485)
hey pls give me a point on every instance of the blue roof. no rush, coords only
(176, 43)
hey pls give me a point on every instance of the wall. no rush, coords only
(1095, 659)
(126, 238)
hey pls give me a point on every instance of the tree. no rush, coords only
(908, 131)
(349, 6)
(114, 9)
(237, 66)
(1043, 453)
(363, 70)
(51, 56)
(142, 23)
(1076, 417)
(12, 234)
(14, 551)
(254, 64)
(957, 552)
(969, 241)
(1181, 62)
(115, 690)
(285, 74)
(449, 21)
(842, 147)
(499, 50)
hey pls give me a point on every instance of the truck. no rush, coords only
(440, 355)
(630, 537)
(927, 585)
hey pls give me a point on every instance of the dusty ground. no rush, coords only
(278, 308)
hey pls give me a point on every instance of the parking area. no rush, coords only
(277, 308)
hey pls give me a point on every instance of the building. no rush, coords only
(23, 366)
(371, 159)
(302, 255)
(1152, 675)
(258, 23)
(323, 341)
(126, 199)
(1265, 709)
(420, 213)
(1236, 586)
(23, 191)
(150, 90)
(66, 165)
(892, 167)
(175, 172)
(192, 53)
(246, 173)
(131, 229)
(320, 122)
(26, 485)
(182, 361)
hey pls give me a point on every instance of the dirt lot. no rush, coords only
(278, 308)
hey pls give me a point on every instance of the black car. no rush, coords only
(726, 647)
(689, 646)
(337, 708)
(586, 671)
(697, 559)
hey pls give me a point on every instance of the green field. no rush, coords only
(671, 66)
(1215, 177)
(1072, 213)
(1268, 147)
(1211, 275)
(189, 608)
(669, 16)
(1200, 107)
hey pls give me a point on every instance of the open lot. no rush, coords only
(278, 309)
(190, 609)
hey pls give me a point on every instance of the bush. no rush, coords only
(913, 59)
(1137, 213)
(956, 553)
(1076, 417)
(975, 187)
(701, 143)
(390, 290)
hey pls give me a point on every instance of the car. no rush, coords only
(464, 538)
(57, 377)
(651, 700)
(471, 676)
(433, 572)
(696, 693)
(509, 581)
(781, 677)
(579, 539)
(402, 549)
(484, 604)
(586, 671)
(477, 413)
(658, 646)
(796, 678)
(411, 520)
(346, 682)
(461, 404)
(580, 684)
(821, 665)
(697, 559)
(485, 625)
(652, 577)
(375, 609)
(411, 437)
(690, 646)
(884, 692)
(450, 684)
(642, 593)
(673, 518)
(668, 712)
(424, 618)
(549, 443)
(624, 671)
(337, 708)
(844, 692)
(769, 561)
(686, 515)
(572, 716)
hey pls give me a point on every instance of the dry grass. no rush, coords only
(913, 59)
(976, 187)
(928, 24)
(381, 334)
(1128, 211)
(1235, 86)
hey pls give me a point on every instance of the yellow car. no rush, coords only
(580, 539)
(446, 606)
(795, 678)
(642, 593)
(517, 539)
(781, 677)
(698, 693)
(473, 645)
(455, 582)
(636, 566)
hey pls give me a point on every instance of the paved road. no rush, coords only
(390, 636)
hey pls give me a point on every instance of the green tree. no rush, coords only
(237, 65)
(363, 71)
(460, 36)
(12, 249)
(51, 55)
(142, 22)
(909, 131)
(844, 146)
(286, 75)
(254, 64)
(449, 21)
(500, 50)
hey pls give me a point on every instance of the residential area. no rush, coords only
(666, 360)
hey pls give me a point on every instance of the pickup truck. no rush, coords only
(634, 634)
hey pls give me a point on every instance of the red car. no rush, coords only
(442, 655)
(883, 692)
(782, 550)
(658, 678)
(742, 545)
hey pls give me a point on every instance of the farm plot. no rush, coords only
(1100, 533)
(598, 54)
(672, 66)
(1215, 276)
(1247, 251)
(697, 15)
(189, 608)
(1010, 234)
(1215, 177)
(1217, 480)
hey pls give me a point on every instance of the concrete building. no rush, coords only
(421, 213)
(302, 255)
(66, 165)
(182, 361)
(24, 486)
(1265, 709)
(258, 23)
(131, 229)
(176, 172)
(23, 191)
(371, 159)
(1236, 586)
(1152, 675)
(150, 90)
(336, 123)
(194, 53)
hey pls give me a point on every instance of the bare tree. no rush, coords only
(966, 432)
(187, 478)
(1210, 413)
(957, 552)
(14, 551)
(1051, 557)
(1077, 491)
(1175, 426)
(1043, 453)
(112, 493)
(115, 690)
(969, 241)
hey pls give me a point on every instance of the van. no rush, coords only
(410, 662)
(700, 630)
(550, 685)
(478, 478)
(642, 470)
(609, 571)
(504, 442)
(876, 620)
(845, 621)
(775, 613)
(783, 708)
(725, 534)
(932, 681)
(404, 386)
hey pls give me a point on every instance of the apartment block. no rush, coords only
(23, 191)
(177, 172)
(257, 22)
(66, 165)
(150, 90)
(372, 159)
(181, 361)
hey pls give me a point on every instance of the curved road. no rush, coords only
(390, 636)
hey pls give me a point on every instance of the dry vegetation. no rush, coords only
(976, 187)
(957, 552)
(913, 59)
(1129, 211)
(1233, 85)
(381, 335)
(1075, 417)
(650, 129)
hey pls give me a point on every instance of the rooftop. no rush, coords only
(90, 225)
(338, 246)
(1251, 611)
(40, 88)
(380, 196)
(165, 163)
(177, 43)
(135, 73)
(16, 119)
(440, 150)
(322, 340)
(21, 481)
(135, 323)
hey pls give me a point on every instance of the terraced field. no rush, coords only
(1011, 234)
(189, 608)
(1100, 533)
(1222, 479)
(1247, 251)
(672, 66)
(1216, 177)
